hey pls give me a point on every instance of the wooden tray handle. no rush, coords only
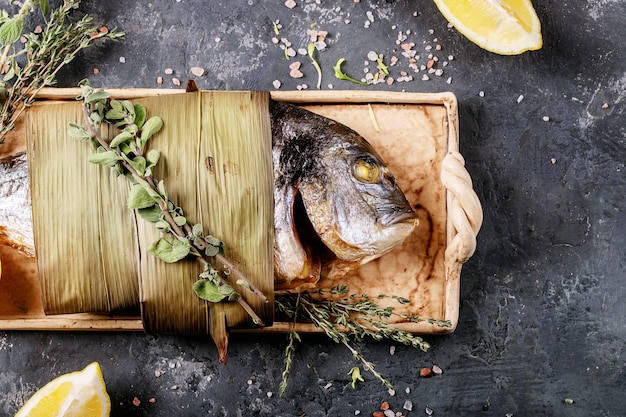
(465, 214)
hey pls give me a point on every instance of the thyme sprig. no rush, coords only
(34, 64)
(346, 317)
(127, 155)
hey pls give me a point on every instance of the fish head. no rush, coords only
(355, 204)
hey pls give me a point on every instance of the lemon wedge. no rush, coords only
(506, 27)
(77, 394)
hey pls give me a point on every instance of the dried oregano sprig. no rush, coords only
(127, 155)
(30, 61)
(345, 317)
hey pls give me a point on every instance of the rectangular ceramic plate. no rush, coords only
(413, 132)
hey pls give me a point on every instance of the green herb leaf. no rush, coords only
(150, 127)
(245, 284)
(196, 230)
(139, 198)
(77, 131)
(170, 250)
(140, 115)
(45, 7)
(180, 220)
(108, 158)
(114, 115)
(206, 290)
(11, 30)
(211, 250)
(97, 96)
(150, 214)
(153, 157)
(119, 139)
(139, 163)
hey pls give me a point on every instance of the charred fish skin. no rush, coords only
(350, 197)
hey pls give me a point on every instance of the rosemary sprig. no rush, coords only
(29, 67)
(344, 317)
(127, 155)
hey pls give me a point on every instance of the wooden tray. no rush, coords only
(417, 135)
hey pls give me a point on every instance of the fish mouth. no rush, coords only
(395, 215)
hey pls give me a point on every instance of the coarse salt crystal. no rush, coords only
(168, 71)
(520, 98)
(449, 80)
(175, 81)
(122, 60)
(290, 4)
(408, 405)
(425, 77)
(481, 94)
(546, 119)
(277, 84)
(197, 71)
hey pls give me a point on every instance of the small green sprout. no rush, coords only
(355, 373)
(339, 74)
(310, 52)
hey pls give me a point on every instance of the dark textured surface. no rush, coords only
(542, 302)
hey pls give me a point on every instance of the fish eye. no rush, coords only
(366, 170)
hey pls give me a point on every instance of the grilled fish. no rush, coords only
(337, 206)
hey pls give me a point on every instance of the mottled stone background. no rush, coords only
(542, 301)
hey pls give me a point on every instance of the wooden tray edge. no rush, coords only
(95, 322)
